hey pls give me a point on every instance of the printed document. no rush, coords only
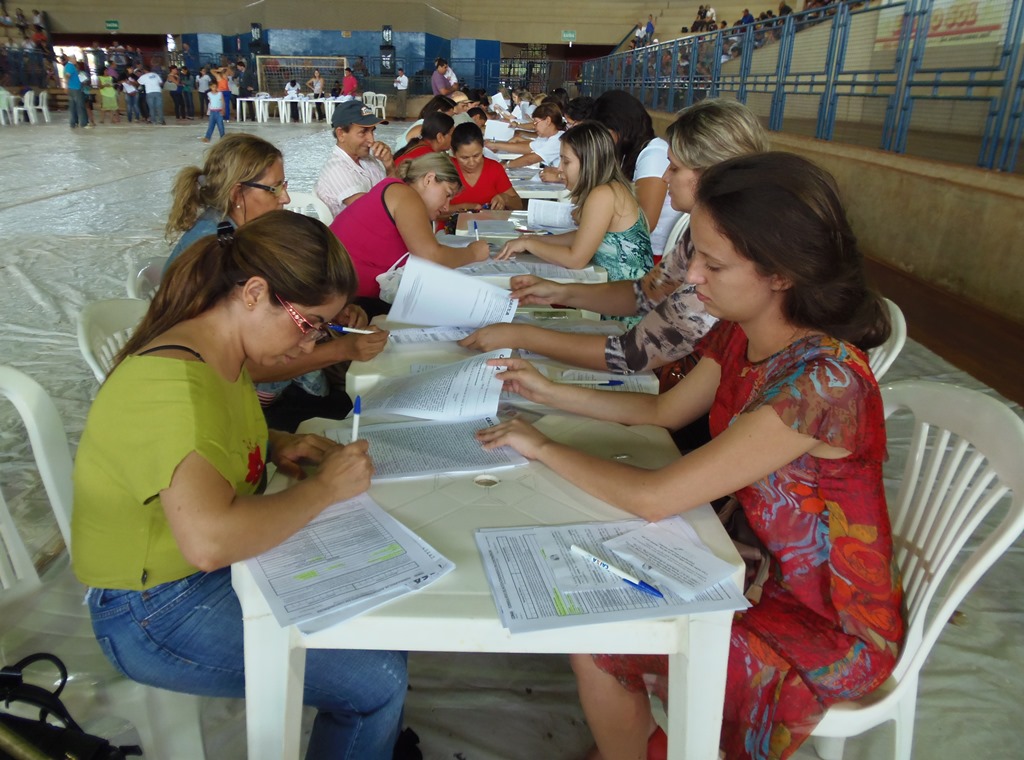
(538, 583)
(550, 215)
(411, 449)
(463, 390)
(351, 558)
(408, 336)
(431, 294)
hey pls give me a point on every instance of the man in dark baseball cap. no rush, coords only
(358, 161)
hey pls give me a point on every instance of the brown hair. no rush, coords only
(549, 111)
(713, 131)
(784, 214)
(234, 159)
(298, 256)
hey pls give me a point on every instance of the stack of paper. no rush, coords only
(351, 558)
(539, 583)
(431, 294)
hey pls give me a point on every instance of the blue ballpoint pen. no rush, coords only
(605, 383)
(343, 329)
(632, 580)
(357, 409)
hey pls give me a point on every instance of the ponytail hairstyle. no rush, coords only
(298, 256)
(234, 159)
(784, 214)
(593, 145)
(434, 124)
(438, 164)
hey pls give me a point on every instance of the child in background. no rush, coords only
(217, 101)
(130, 86)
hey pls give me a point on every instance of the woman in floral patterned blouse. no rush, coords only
(798, 439)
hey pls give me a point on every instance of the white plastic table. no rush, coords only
(253, 104)
(457, 614)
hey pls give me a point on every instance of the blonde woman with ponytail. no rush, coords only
(397, 217)
(171, 464)
(241, 179)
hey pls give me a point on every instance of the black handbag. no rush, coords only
(34, 737)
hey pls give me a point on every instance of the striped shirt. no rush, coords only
(343, 177)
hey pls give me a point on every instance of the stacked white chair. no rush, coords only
(45, 612)
(27, 107)
(43, 105)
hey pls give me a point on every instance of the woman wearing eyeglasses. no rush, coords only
(242, 179)
(171, 462)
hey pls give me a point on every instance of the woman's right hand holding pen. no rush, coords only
(512, 247)
(362, 348)
(480, 250)
(531, 289)
(345, 471)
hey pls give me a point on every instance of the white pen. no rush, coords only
(344, 329)
(357, 407)
(632, 580)
(476, 230)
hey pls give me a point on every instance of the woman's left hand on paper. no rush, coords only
(521, 377)
(521, 436)
(290, 452)
(512, 247)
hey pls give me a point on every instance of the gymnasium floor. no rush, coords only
(78, 209)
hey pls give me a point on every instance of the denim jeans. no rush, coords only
(186, 635)
(227, 105)
(216, 120)
(155, 100)
(76, 109)
(131, 102)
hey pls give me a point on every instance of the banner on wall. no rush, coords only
(953, 22)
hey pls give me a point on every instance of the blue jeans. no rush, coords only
(186, 635)
(155, 100)
(227, 105)
(77, 114)
(216, 120)
(131, 102)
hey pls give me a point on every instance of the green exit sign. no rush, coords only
(568, 35)
(113, 25)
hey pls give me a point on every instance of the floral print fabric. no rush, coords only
(828, 625)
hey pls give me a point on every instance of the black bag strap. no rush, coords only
(14, 689)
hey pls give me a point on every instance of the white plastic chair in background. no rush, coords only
(43, 105)
(676, 234)
(963, 465)
(144, 279)
(27, 107)
(380, 105)
(310, 205)
(6, 106)
(881, 357)
(103, 329)
(49, 611)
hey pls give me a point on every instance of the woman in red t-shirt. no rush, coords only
(484, 180)
(436, 137)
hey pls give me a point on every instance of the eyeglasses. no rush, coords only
(309, 330)
(274, 190)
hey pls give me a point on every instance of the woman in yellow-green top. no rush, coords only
(173, 456)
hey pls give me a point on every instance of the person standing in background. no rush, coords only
(349, 85)
(76, 101)
(203, 87)
(401, 94)
(152, 85)
(439, 79)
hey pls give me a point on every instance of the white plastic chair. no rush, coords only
(310, 205)
(48, 609)
(27, 107)
(881, 357)
(6, 106)
(103, 329)
(380, 105)
(144, 279)
(963, 463)
(43, 106)
(676, 234)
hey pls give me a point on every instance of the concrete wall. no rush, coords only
(956, 227)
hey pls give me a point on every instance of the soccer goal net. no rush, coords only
(274, 71)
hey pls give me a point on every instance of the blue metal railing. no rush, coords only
(922, 77)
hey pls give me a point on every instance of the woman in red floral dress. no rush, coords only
(798, 440)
